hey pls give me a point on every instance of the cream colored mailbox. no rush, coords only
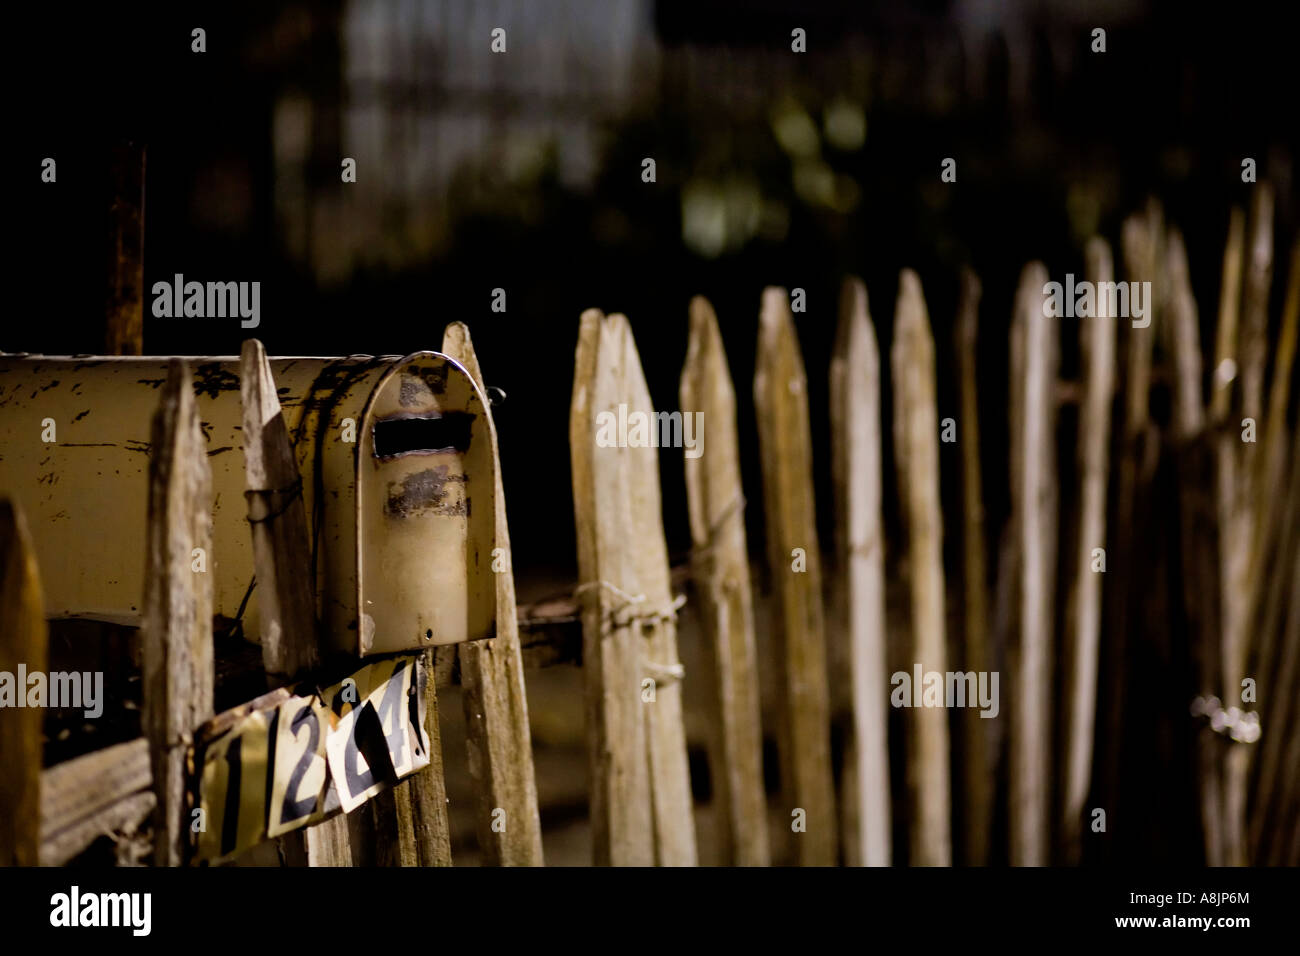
(398, 482)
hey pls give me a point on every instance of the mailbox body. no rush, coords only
(401, 519)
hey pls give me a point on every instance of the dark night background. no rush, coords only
(523, 171)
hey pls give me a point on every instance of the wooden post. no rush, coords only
(124, 334)
(720, 565)
(1237, 508)
(1279, 678)
(279, 525)
(282, 561)
(1031, 757)
(1196, 506)
(24, 641)
(1138, 248)
(781, 402)
(1268, 589)
(979, 767)
(1225, 375)
(1254, 308)
(916, 443)
(177, 629)
(496, 702)
(428, 788)
(622, 833)
(1097, 342)
(1272, 461)
(855, 424)
(1010, 553)
(670, 780)
(1249, 504)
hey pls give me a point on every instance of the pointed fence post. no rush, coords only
(670, 779)
(916, 443)
(781, 402)
(1200, 571)
(496, 702)
(1245, 502)
(1225, 477)
(24, 641)
(177, 631)
(1097, 343)
(1031, 755)
(720, 566)
(855, 426)
(282, 562)
(622, 831)
(977, 760)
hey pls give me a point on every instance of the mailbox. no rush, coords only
(398, 482)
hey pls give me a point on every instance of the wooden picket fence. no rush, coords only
(1236, 491)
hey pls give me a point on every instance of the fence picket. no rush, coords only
(670, 782)
(720, 564)
(781, 402)
(855, 424)
(622, 833)
(978, 763)
(1097, 344)
(178, 674)
(496, 703)
(1035, 524)
(916, 443)
(281, 550)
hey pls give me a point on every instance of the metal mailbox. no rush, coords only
(398, 482)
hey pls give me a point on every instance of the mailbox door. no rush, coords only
(426, 500)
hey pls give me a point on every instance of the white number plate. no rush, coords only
(297, 760)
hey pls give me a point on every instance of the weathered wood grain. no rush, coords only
(1279, 679)
(496, 702)
(1237, 500)
(1136, 454)
(24, 640)
(670, 781)
(720, 564)
(1200, 567)
(621, 816)
(281, 545)
(1032, 753)
(856, 435)
(428, 800)
(94, 795)
(177, 631)
(781, 404)
(1273, 535)
(1097, 344)
(281, 552)
(978, 799)
(916, 443)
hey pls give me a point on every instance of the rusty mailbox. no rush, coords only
(398, 482)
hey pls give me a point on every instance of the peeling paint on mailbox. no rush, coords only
(402, 519)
